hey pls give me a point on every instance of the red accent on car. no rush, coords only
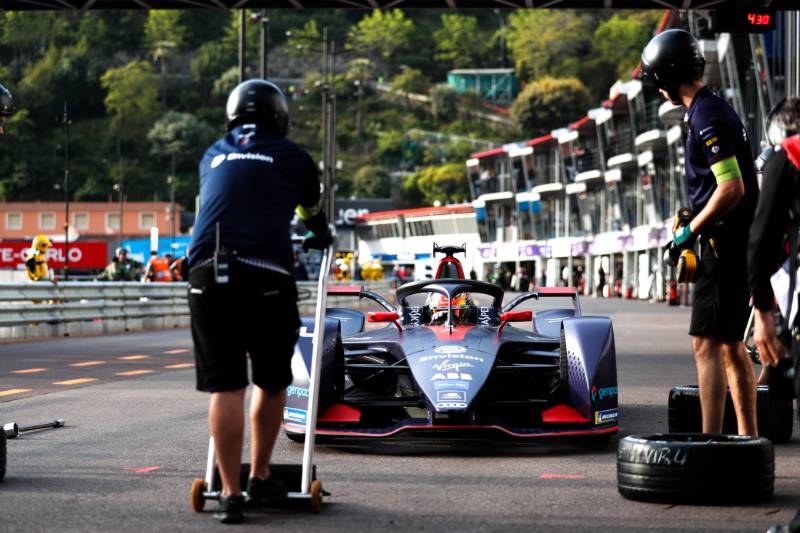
(444, 333)
(344, 290)
(562, 414)
(355, 433)
(385, 316)
(514, 316)
(453, 260)
(557, 291)
(340, 414)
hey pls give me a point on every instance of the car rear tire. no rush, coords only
(296, 437)
(775, 416)
(694, 468)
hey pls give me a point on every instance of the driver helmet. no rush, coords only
(41, 243)
(437, 303)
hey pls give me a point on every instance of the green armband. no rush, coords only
(726, 170)
(307, 212)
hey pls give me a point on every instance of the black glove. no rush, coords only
(317, 242)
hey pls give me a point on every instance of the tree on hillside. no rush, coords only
(459, 41)
(549, 103)
(409, 81)
(305, 41)
(164, 35)
(547, 42)
(131, 99)
(179, 135)
(371, 181)
(445, 183)
(444, 102)
(620, 39)
(359, 71)
(381, 34)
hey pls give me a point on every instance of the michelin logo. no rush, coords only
(219, 159)
(609, 415)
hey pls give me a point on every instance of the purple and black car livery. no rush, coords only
(464, 373)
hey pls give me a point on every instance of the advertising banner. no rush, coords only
(82, 254)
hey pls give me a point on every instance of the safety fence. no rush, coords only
(30, 310)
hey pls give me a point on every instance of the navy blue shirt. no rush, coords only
(716, 133)
(251, 181)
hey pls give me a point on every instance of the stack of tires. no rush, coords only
(775, 415)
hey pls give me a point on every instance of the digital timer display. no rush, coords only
(750, 21)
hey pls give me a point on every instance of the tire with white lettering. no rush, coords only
(775, 415)
(695, 468)
(2, 454)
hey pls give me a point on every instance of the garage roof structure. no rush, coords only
(82, 5)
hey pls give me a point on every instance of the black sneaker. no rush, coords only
(230, 509)
(265, 491)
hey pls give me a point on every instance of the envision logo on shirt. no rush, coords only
(217, 161)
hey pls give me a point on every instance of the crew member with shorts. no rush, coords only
(723, 192)
(242, 296)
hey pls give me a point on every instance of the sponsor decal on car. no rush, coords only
(463, 376)
(603, 392)
(446, 366)
(414, 315)
(451, 396)
(463, 357)
(608, 415)
(484, 317)
(450, 385)
(450, 405)
(299, 392)
(294, 415)
(450, 349)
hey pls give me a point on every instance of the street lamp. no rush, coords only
(264, 20)
(171, 183)
(119, 187)
(66, 122)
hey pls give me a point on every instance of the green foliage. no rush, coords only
(409, 81)
(371, 181)
(547, 42)
(210, 62)
(181, 135)
(305, 41)
(164, 32)
(132, 98)
(459, 41)
(444, 102)
(445, 183)
(549, 103)
(634, 30)
(226, 83)
(380, 35)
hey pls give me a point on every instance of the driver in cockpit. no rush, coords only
(464, 310)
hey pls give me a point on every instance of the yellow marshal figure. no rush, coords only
(36, 259)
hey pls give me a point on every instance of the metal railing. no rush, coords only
(23, 304)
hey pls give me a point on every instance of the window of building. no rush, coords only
(147, 220)
(47, 220)
(80, 221)
(13, 220)
(112, 220)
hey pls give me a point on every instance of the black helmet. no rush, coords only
(258, 102)
(671, 58)
(6, 102)
(783, 120)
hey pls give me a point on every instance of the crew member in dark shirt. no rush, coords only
(723, 193)
(242, 296)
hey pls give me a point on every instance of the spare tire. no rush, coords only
(775, 415)
(695, 468)
(2, 454)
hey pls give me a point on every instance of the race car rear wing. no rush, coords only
(547, 292)
(360, 292)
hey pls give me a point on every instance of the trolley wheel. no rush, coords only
(198, 500)
(316, 496)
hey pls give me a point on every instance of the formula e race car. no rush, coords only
(447, 363)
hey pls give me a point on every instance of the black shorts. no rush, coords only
(254, 314)
(720, 307)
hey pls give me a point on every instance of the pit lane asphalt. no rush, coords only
(98, 473)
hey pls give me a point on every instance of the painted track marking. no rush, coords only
(562, 476)
(133, 357)
(9, 392)
(76, 381)
(134, 372)
(88, 363)
(28, 371)
(180, 365)
(173, 352)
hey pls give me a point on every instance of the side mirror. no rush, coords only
(514, 316)
(384, 316)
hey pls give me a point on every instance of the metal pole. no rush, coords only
(332, 134)
(66, 192)
(242, 44)
(121, 191)
(264, 42)
(172, 199)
